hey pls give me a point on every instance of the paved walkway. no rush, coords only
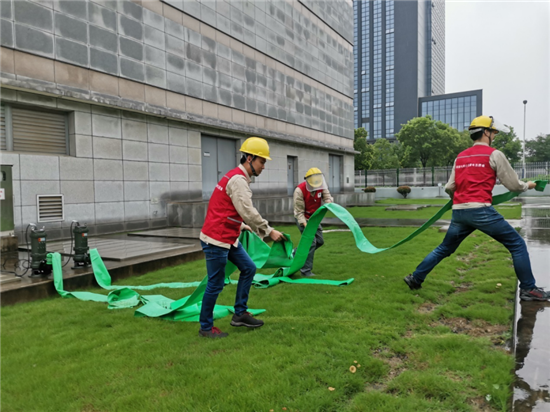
(123, 255)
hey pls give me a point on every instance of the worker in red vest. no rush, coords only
(471, 185)
(230, 210)
(308, 197)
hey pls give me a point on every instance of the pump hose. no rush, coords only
(71, 248)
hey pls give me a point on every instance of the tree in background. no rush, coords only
(363, 160)
(538, 150)
(509, 144)
(384, 155)
(433, 143)
(464, 141)
(404, 157)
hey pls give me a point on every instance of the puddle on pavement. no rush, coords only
(532, 329)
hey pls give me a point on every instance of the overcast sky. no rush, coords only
(502, 47)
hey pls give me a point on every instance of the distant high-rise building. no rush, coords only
(399, 56)
(455, 109)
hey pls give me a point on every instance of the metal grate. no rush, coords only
(2, 128)
(39, 131)
(50, 208)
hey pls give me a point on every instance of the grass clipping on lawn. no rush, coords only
(371, 346)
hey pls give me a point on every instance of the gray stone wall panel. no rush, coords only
(33, 41)
(72, 29)
(103, 39)
(71, 52)
(155, 76)
(155, 57)
(103, 61)
(33, 14)
(6, 33)
(6, 9)
(202, 67)
(102, 16)
(131, 48)
(131, 9)
(105, 169)
(132, 70)
(154, 37)
(129, 27)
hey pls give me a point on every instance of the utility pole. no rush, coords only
(524, 116)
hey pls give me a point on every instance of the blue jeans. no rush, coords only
(490, 222)
(216, 259)
(318, 241)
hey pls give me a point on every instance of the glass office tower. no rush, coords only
(399, 56)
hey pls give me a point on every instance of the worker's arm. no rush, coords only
(327, 198)
(241, 196)
(299, 207)
(450, 187)
(506, 174)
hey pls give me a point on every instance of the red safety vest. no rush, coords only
(223, 222)
(474, 177)
(312, 200)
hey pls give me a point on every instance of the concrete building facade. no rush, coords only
(112, 107)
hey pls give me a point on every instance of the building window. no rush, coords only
(25, 129)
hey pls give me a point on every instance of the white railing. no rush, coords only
(432, 176)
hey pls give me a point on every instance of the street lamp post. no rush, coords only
(524, 115)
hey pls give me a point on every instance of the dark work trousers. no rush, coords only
(317, 243)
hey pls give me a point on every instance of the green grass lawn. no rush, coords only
(437, 349)
(380, 212)
(401, 201)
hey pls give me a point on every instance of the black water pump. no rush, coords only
(40, 264)
(81, 256)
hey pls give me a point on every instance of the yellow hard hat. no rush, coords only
(485, 122)
(313, 171)
(314, 177)
(256, 146)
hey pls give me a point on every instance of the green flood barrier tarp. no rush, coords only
(279, 256)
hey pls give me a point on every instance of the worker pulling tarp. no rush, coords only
(278, 256)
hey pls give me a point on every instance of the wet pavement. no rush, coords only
(532, 322)
(119, 248)
(124, 256)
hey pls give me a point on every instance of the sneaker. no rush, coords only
(309, 274)
(246, 319)
(214, 333)
(534, 294)
(412, 282)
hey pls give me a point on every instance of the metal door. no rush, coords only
(291, 175)
(6, 199)
(335, 173)
(218, 157)
(226, 156)
(209, 165)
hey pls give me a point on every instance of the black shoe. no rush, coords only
(214, 333)
(412, 283)
(534, 294)
(307, 275)
(246, 319)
